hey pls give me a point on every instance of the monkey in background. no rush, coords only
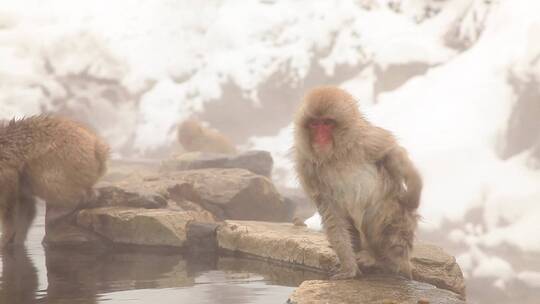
(195, 137)
(53, 158)
(364, 185)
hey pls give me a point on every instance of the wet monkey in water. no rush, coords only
(365, 186)
(54, 158)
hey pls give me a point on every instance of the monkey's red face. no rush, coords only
(321, 130)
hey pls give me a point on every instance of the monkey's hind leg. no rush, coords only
(9, 184)
(25, 212)
(8, 220)
(64, 189)
(394, 237)
(338, 233)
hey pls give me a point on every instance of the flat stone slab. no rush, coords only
(372, 289)
(139, 226)
(301, 246)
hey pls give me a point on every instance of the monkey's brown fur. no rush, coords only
(194, 137)
(363, 183)
(55, 159)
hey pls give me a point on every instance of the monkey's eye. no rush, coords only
(328, 122)
(313, 123)
(320, 122)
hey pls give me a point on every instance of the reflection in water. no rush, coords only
(19, 277)
(69, 276)
(75, 275)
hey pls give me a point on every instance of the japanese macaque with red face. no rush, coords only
(53, 158)
(365, 186)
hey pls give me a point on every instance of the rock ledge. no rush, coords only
(303, 247)
(372, 289)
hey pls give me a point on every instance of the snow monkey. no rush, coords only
(364, 185)
(55, 159)
(195, 137)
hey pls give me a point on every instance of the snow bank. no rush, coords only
(142, 42)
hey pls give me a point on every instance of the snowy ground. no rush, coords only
(165, 60)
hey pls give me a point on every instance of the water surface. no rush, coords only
(37, 275)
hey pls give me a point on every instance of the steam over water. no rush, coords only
(455, 80)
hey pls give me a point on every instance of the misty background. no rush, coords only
(455, 80)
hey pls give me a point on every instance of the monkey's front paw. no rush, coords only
(365, 260)
(344, 274)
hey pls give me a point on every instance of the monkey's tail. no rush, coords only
(102, 152)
